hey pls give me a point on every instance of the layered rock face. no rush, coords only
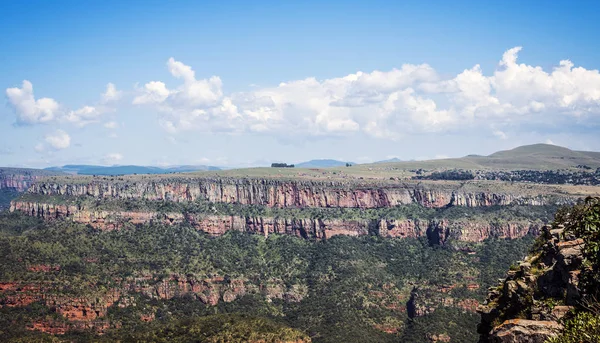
(283, 194)
(19, 182)
(90, 312)
(437, 231)
(528, 304)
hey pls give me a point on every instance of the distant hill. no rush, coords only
(28, 171)
(322, 164)
(126, 170)
(391, 160)
(534, 157)
(539, 156)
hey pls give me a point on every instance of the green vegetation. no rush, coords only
(583, 221)
(583, 328)
(346, 289)
(281, 165)
(213, 329)
(6, 196)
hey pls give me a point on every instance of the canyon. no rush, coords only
(455, 231)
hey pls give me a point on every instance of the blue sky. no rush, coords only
(254, 82)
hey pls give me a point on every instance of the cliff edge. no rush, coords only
(552, 295)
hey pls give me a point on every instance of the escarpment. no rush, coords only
(18, 182)
(47, 201)
(438, 231)
(303, 194)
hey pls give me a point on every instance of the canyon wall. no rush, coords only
(437, 231)
(299, 194)
(19, 182)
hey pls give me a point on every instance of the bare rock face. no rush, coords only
(527, 305)
(287, 193)
(437, 231)
(525, 331)
(19, 182)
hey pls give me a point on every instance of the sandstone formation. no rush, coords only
(437, 231)
(298, 194)
(19, 182)
(90, 312)
(527, 305)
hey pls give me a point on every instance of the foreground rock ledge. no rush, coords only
(525, 331)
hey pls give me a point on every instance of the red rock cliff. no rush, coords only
(282, 193)
(437, 231)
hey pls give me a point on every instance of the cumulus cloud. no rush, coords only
(111, 94)
(57, 140)
(31, 111)
(28, 109)
(84, 115)
(385, 104)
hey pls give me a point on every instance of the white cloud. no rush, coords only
(413, 99)
(112, 158)
(500, 134)
(153, 92)
(58, 140)
(84, 115)
(111, 94)
(28, 109)
(111, 125)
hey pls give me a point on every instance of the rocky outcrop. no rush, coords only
(525, 331)
(288, 193)
(437, 231)
(82, 313)
(18, 179)
(527, 305)
(424, 301)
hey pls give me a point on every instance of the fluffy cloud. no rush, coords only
(28, 109)
(44, 110)
(58, 140)
(84, 115)
(385, 104)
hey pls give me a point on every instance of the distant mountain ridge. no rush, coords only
(82, 169)
(534, 157)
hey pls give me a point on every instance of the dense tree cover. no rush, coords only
(281, 165)
(354, 286)
(447, 175)
(6, 196)
(218, 328)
